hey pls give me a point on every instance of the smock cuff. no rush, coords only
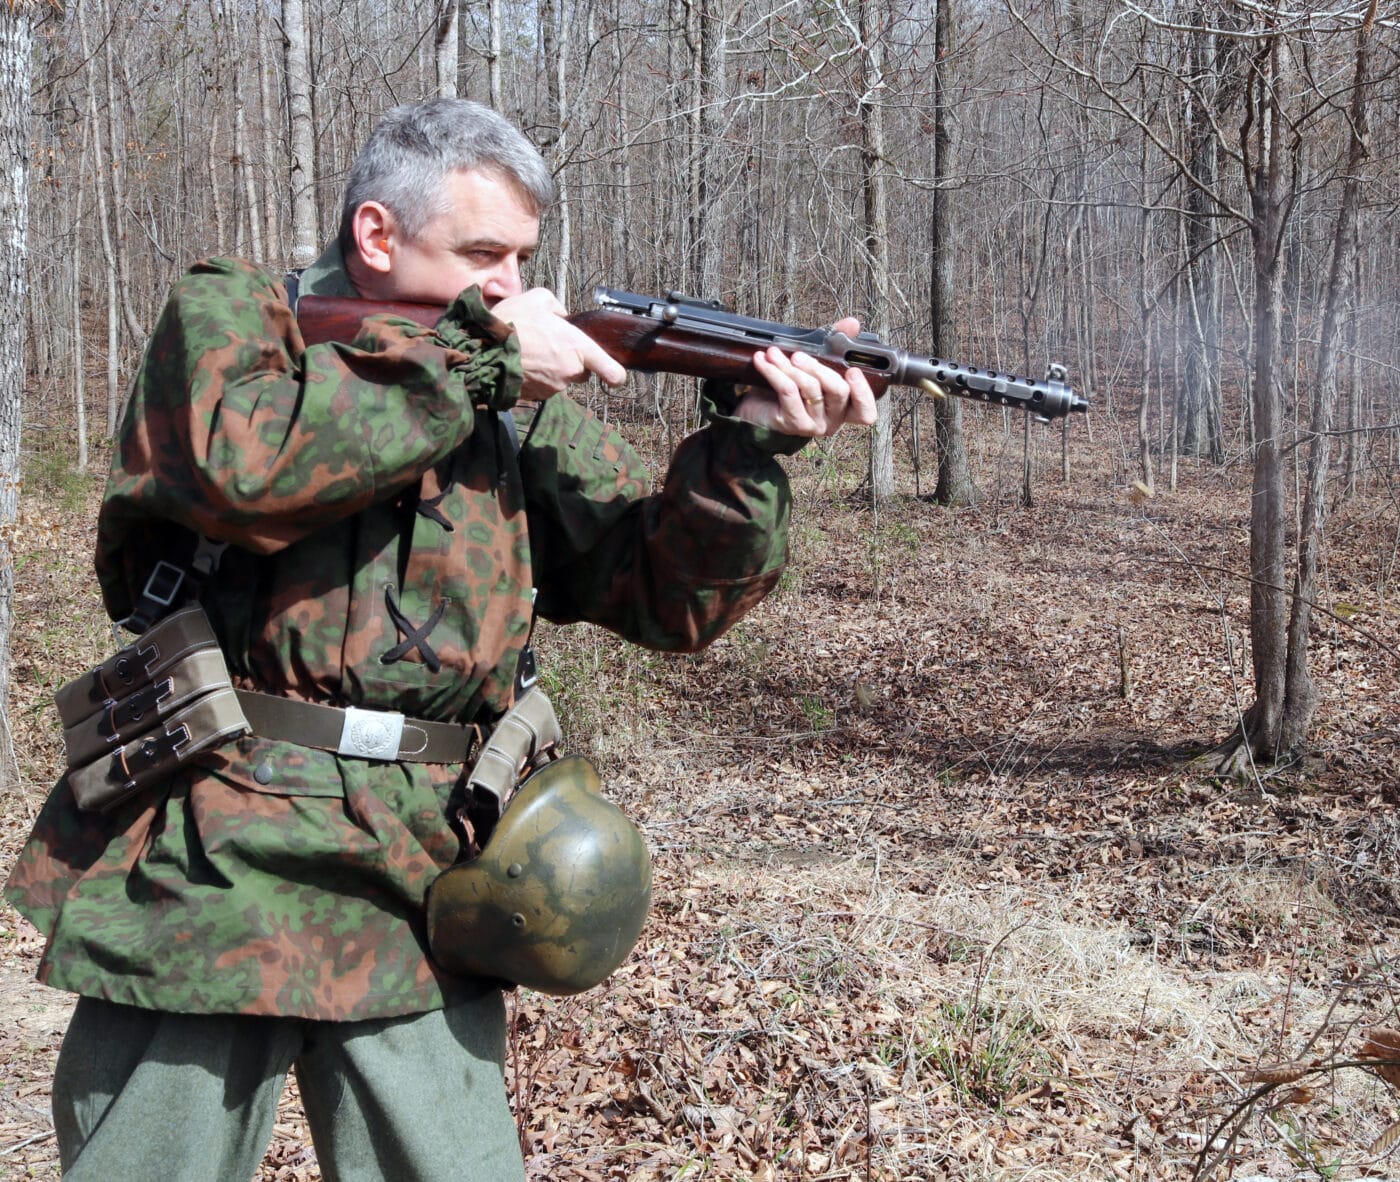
(487, 351)
(718, 401)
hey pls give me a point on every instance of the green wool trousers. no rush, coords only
(140, 1095)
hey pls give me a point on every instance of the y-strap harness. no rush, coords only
(352, 731)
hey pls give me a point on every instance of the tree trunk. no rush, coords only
(1199, 397)
(116, 177)
(554, 46)
(1300, 695)
(109, 257)
(1268, 177)
(1145, 302)
(445, 49)
(75, 297)
(706, 40)
(955, 486)
(305, 235)
(1354, 453)
(214, 188)
(493, 53)
(876, 235)
(622, 223)
(242, 161)
(16, 80)
(271, 118)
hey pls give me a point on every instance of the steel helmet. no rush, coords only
(557, 898)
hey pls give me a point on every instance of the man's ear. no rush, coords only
(373, 232)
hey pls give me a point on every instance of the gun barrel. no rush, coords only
(1047, 398)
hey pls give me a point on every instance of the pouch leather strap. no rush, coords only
(526, 731)
(314, 725)
(144, 660)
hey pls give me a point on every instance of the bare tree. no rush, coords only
(1204, 99)
(554, 143)
(1271, 148)
(1282, 117)
(1300, 695)
(17, 18)
(955, 485)
(876, 229)
(705, 33)
(305, 235)
(253, 215)
(116, 178)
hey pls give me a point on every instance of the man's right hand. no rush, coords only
(553, 353)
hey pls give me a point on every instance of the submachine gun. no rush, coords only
(700, 338)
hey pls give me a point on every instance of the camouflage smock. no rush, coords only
(382, 536)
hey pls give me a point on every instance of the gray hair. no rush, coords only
(414, 148)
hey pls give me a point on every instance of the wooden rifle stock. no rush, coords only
(635, 342)
(324, 319)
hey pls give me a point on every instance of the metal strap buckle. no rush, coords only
(527, 672)
(164, 583)
(371, 734)
(160, 593)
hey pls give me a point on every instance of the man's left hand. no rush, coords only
(806, 397)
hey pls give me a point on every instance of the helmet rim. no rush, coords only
(557, 898)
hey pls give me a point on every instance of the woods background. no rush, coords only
(1107, 158)
(982, 919)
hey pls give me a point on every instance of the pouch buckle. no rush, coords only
(133, 707)
(151, 752)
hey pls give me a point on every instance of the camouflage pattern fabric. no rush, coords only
(381, 537)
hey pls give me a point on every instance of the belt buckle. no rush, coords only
(371, 734)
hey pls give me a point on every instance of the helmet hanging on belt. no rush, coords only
(556, 900)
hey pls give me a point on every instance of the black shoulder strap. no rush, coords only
(527, 670)
(170, 586)
(511, 430)
(292, 281)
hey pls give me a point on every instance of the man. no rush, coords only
(262, 909)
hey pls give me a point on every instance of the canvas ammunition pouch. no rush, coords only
(146, 710)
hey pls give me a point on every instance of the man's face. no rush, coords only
(489, 232)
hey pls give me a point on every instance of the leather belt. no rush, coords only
(363, 734)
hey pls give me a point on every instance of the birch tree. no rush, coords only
(17, 19)
(876, 231)
(305, 235)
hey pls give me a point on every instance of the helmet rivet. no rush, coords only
(515, 870)
(518, 920)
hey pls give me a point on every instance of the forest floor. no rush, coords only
(939, 892)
